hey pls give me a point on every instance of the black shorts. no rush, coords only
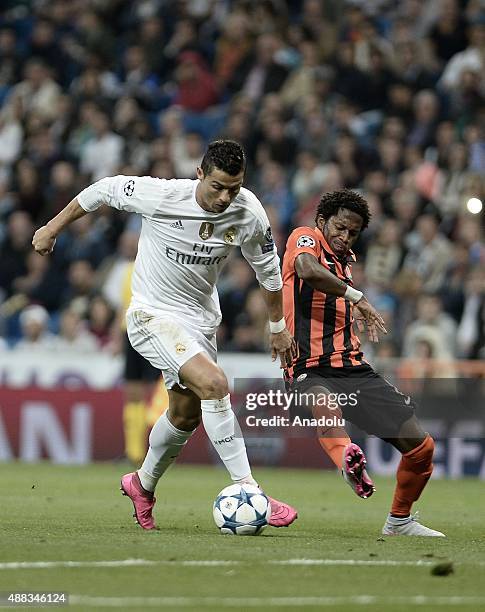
(365, 398)
(137, 368)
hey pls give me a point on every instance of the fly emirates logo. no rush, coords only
(203, 255)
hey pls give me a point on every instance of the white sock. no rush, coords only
(398, 520)
(225, 434)
(166, 442)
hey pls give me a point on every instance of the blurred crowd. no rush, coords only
(382, 96)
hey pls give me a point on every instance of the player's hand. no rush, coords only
(284, 345)
(43, 240)
(367, 316)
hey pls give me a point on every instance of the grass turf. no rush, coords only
(57, 513)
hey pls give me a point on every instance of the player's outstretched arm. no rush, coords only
(281, 341)
(130, 193)
(45, 237)
(312, 272)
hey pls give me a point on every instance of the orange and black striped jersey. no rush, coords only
(322, 324)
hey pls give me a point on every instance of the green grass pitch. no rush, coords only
(64, 514)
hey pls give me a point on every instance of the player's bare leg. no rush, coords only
(206, 379)
(413, 473)
(167, 439)
(348, 457)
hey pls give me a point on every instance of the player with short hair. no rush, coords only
(321, 305)
(189, 228)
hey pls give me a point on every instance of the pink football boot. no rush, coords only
(282, 515)
(354, 472)
(143, 501)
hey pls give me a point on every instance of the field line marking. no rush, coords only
(370, 562)
(18, 565)
(291, 602)
(56, 564)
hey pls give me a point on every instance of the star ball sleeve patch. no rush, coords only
(301, 240)
(305, 241)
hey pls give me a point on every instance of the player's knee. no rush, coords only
(425, 450)
(214, 386)
(185, 422)
(420, 459)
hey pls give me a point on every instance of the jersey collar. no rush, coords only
(350, 254)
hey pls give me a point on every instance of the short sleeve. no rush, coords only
(139, 194)
(301, 240)
(260, 252)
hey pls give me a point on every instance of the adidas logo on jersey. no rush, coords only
(177, 225)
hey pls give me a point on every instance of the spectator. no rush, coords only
(196, 86)
(11, 136)
(81, 286)
(14, 249)
(350, 81)
(101, 317)
(384, 255)
(151, 39)
(447, 36)
(433, 325)
(301, 82)
(34, 322)
(73, 336)
(38, 92)
(260, 74)
(426, 109)
(9, 59)
(471, 331)
(85, 240)
(138, 80)
(63, 187)
(453, 291)
(429, 253)
(232, 47)
(469, 59)
(41, 283)
(187, 153)
(43, 44)
(308, 178)
(453, 180)
(102, 154)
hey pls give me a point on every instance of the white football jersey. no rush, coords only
(182, 247)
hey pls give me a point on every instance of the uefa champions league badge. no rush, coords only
(129, 188)
(305, 242)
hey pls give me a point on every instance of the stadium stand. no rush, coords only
(383, 97)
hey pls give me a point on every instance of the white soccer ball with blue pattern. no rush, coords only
(241, 510)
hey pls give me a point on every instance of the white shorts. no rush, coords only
(167, 342)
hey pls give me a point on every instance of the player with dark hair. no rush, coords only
(321, 305)
(226, 155)
(189, 228)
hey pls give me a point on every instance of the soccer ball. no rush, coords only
(241, 510)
